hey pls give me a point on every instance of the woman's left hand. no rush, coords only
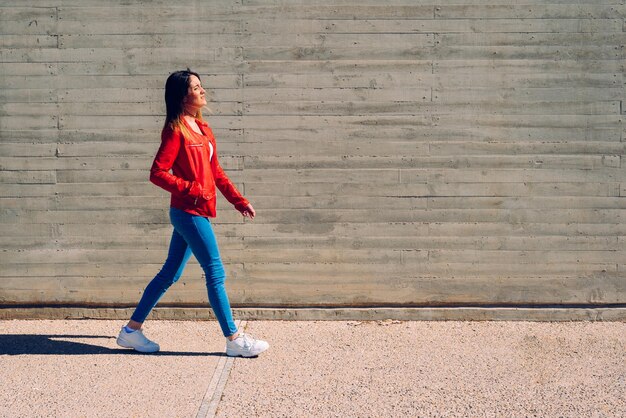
(248, 211)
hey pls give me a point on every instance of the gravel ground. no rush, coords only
(75, 369)
(431, 369)
(319, 369)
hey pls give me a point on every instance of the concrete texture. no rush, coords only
(397, 152)
(550, 314)
(324, 368)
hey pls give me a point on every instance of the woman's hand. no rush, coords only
(248, 211)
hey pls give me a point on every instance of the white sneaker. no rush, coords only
(137, 341)
(245, 346)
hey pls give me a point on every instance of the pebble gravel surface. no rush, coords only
(75, 369)
(431, 369)
(318, 369)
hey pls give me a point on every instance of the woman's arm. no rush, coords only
(228, 189)
(164, 160)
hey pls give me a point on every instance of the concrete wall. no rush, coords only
(397, 152)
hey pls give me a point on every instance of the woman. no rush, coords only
(188, 149)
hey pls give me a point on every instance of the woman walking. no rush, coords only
(186, 165)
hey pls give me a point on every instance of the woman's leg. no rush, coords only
(198, 233)
(178, 254)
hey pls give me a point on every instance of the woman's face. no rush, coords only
(195, 98)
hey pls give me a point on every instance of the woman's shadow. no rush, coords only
(57, 344)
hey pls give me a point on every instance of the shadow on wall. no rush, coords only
(16, 344)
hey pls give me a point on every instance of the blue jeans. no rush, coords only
(192, 234)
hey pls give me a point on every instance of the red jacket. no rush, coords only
(194, 172)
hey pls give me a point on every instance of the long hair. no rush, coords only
(176, 88)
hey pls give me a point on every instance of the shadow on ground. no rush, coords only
(18, 344)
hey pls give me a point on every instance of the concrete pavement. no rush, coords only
(386, 368)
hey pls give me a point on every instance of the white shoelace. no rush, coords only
(248, 340)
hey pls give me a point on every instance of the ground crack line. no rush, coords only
(213, 395)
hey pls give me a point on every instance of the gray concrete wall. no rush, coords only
(397, 152)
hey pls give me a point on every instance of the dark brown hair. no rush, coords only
(176, 89)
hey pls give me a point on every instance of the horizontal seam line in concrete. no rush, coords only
(330, 307)
(336, 314)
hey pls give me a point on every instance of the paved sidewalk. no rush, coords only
(317, 369)
(75, 369)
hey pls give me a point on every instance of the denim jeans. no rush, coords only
(192, 234)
